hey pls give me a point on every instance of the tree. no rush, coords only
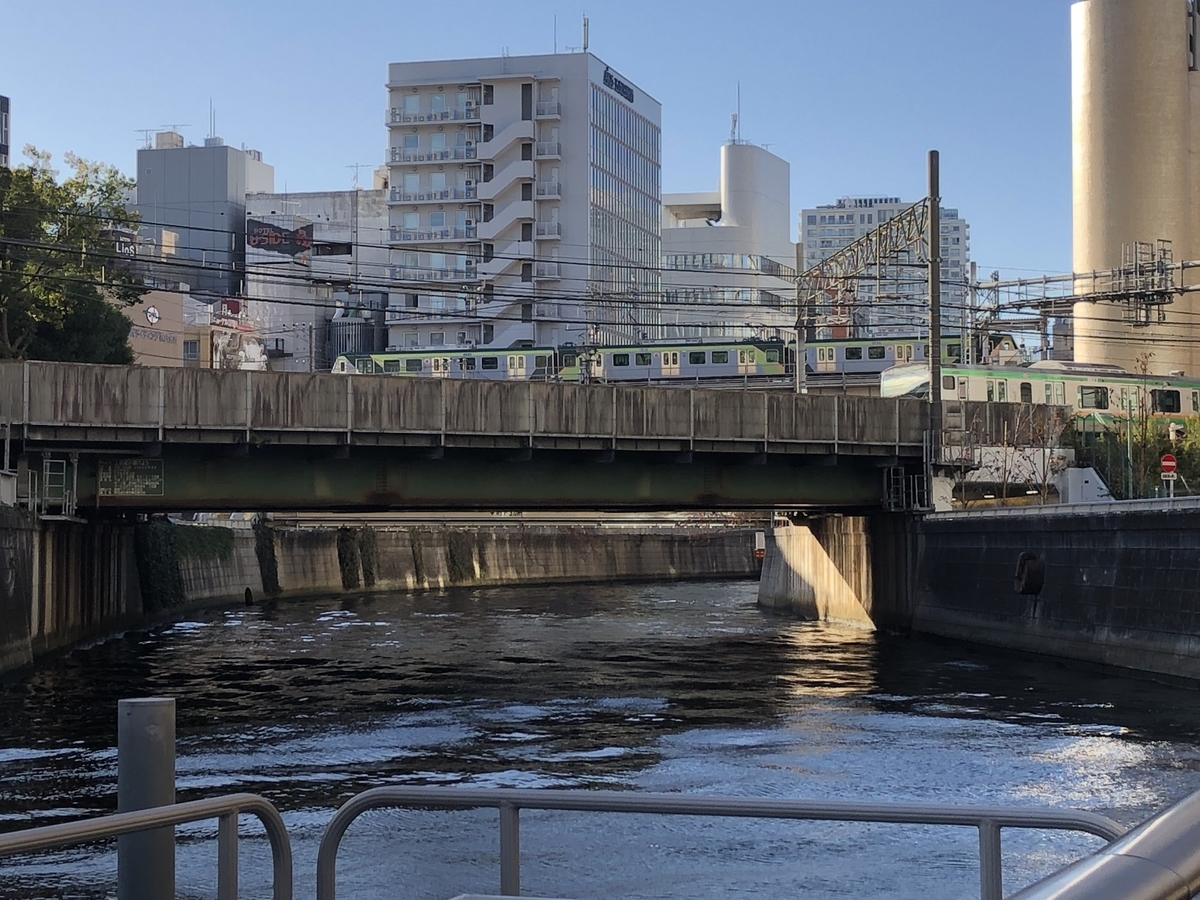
(61, 280)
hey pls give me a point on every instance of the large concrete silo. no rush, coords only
(1136, 166)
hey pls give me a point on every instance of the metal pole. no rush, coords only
(510, 850)
(935, 304)
(145, 779)
(991, 883)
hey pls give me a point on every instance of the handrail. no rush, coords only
(226, 809)
(1090, 508)
(1155, 861)
(988, 819)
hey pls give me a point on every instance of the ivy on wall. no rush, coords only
(348, 556)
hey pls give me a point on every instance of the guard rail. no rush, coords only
(988, 820)
(225, 809)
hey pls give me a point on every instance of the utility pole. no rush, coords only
(935, 305)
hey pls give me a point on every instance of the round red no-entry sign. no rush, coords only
(1168, 462)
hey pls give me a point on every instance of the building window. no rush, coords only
(460, 338)
(412, 104)
(437, 339)
(412, 221)
(527, 151)
(412, 142)
(437, 141)
(527, 193)
(489, 97)
(526, 227)
(437, 220)
(526, 312)
(411, 301)
(437, 103)
(526, 102)
(489, 334)
(411, 338)
(527, 271)
(191, 350)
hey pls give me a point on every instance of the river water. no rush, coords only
(683, 687)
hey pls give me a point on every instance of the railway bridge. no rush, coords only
(114, 438)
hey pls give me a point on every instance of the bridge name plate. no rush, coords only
(131, 478)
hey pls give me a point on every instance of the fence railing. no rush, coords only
(987, 820)
(225, 809)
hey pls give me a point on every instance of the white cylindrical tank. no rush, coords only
(1132, 164)
(755, 185)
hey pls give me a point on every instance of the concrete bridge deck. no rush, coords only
(196, 438)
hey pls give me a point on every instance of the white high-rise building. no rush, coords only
(893, 299)
(729, 259)
(524, 202)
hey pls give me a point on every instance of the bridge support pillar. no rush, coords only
(851, 569)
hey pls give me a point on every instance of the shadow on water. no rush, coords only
(651, 687)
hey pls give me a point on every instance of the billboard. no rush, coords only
(296, 243)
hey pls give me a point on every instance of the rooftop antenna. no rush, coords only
(356, 167)
(733, 117)
(146, 133)
(212, 119)
(585, 34)
(556, 33)
(739, 112)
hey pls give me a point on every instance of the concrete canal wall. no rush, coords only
(1111, 584)
(1119, 587)
(63, 582)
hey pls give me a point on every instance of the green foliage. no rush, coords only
(414, 541)
(264, 549)
(368, 554)
(204, 544)
(157, 557)
(460, 559)
(348, 560)
(61, 279)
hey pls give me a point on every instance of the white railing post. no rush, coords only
(146, 779)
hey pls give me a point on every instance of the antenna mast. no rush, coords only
(585, 34)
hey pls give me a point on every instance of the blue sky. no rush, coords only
(851, 92)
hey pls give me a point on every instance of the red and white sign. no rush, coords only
(1168, 462)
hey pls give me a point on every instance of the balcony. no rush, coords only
(396, 195)
(548, 150)
(416, 273)
(415, 236)
(398, 116)
(545, 270)
(399, 155)
(549, 230)
(549, 190)
(548, 110)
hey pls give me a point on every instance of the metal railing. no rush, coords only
(988, 820)
(1162, 504)
(225, 809)
(1158, 860)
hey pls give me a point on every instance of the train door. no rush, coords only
(1056, 393)
(747, 362)
(516, 367)
(670, 363)
(904, 353)
(826, 359)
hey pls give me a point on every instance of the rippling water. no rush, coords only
(661, 688)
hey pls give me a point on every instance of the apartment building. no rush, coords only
(524, 203)
(892, 299)
(729, 261)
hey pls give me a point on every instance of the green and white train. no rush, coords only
(1103, 392)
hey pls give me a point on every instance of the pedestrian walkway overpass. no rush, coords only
(144, 439)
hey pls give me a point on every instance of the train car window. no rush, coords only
(489, 362)
(1026, 392)
(925, 351)
(991, 392)
(772, 356)
(720, 356)
(1166, 401)
(468, 363)
(1195, 401)
(876, 353)
(854, 353)
(541, 362)
(696, 358)
(1002, 391)
(642, 359)
(570, 360)
(1049, 392)
(947, 382)
(620, 359)
(820, 354)
(412, 365)
(391, 365)
(954, 352)
(963, 390)
(437, 364)
(1091, 397)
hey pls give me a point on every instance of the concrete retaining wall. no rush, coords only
(1120, 588)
